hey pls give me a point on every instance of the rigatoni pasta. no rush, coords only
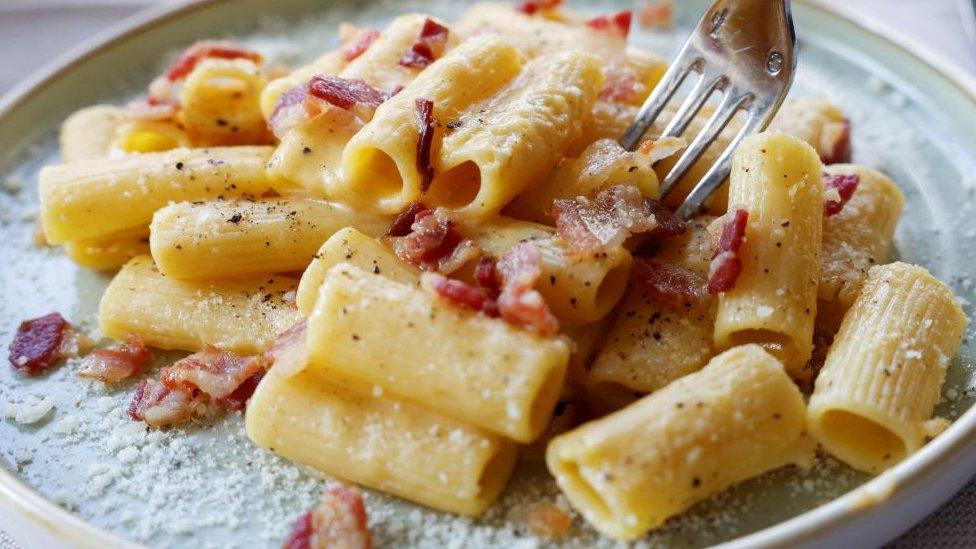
(738, 417)
(885, 369)
(241, 315)
(110, 252)
(213, 240)
(776, 179)
(88, 134)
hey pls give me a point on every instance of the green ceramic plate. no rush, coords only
(86, 469)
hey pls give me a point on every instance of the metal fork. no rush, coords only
(742, 49)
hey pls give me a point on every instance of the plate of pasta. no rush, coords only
(354, 274)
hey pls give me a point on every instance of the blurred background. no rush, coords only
(35, 32)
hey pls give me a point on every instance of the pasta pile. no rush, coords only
(432, 242)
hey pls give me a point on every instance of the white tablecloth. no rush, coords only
(42, 29)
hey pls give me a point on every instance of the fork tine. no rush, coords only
(652, 107)
(718, 173)
(731, 103)
(693, 103)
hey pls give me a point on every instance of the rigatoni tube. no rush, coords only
(462, 364)
(885, 369)
(239, 237)
(355, 248)
(737, 418)
(241, 315)
(776, 178)
(381, 442)
(97, 198)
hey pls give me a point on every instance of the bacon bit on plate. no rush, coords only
(431, 242)
(338, 522)
(590, 226)
(672, 284)
(204, 49)
(657, 14)
(425, 140)
(518, 302)
(115, 363)
(213, 372)
(618, 23)
(620, 85)
(40, 343)
(531, 7)
(159, 405)
(404, 220)
(726, 264)
(835, 142)
(838, 189)
(289, 110)
(487, 276)
(356, 47)
(548, 521)
(146, 111)
(162, 91)
(344, 92)
(430, 44)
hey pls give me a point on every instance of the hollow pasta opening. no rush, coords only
(495, 473)
(863, 443)
(581, 492)
(455, 188)
(380, 170)
(610, 288)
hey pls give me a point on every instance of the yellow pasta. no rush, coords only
(856, 238)
(577, 290)
(329, 63)
(380, 163)
(355, 248)
(816, 122)
(474, 368)
(504, 144)
(97, 198)
(145, 136)
(238, 237)
(220, 103)
(630, 471)
(653, 343)
(88, 133)
(242, 315)
(380, 442)
(885, 369)
(777, 179)
(603, 164)
(108, 253)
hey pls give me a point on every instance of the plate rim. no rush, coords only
(895, 484)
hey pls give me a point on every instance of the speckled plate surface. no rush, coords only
(86, 475)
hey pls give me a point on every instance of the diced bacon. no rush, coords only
(115, 363)
(462, 254)
(726, 265)
(531, 7)
(618, 23)
(356, 47)
(343, 92)
(461, 293)
(401, 225)
(657, 14)
(659, 149)
(487, 276)
(39, 344)
(518, 302)
(425, 140)
(162, 91)
(835, 142)
(620, 85)
(338, 522)
(838, 189)
(590, 226)
(160, 406)
(548, 521)
(430, 44)
(188, 60)
(213, 372)
(289, 110)
(431, 242)
(672, 284)
(397, 89)
(238, 399)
